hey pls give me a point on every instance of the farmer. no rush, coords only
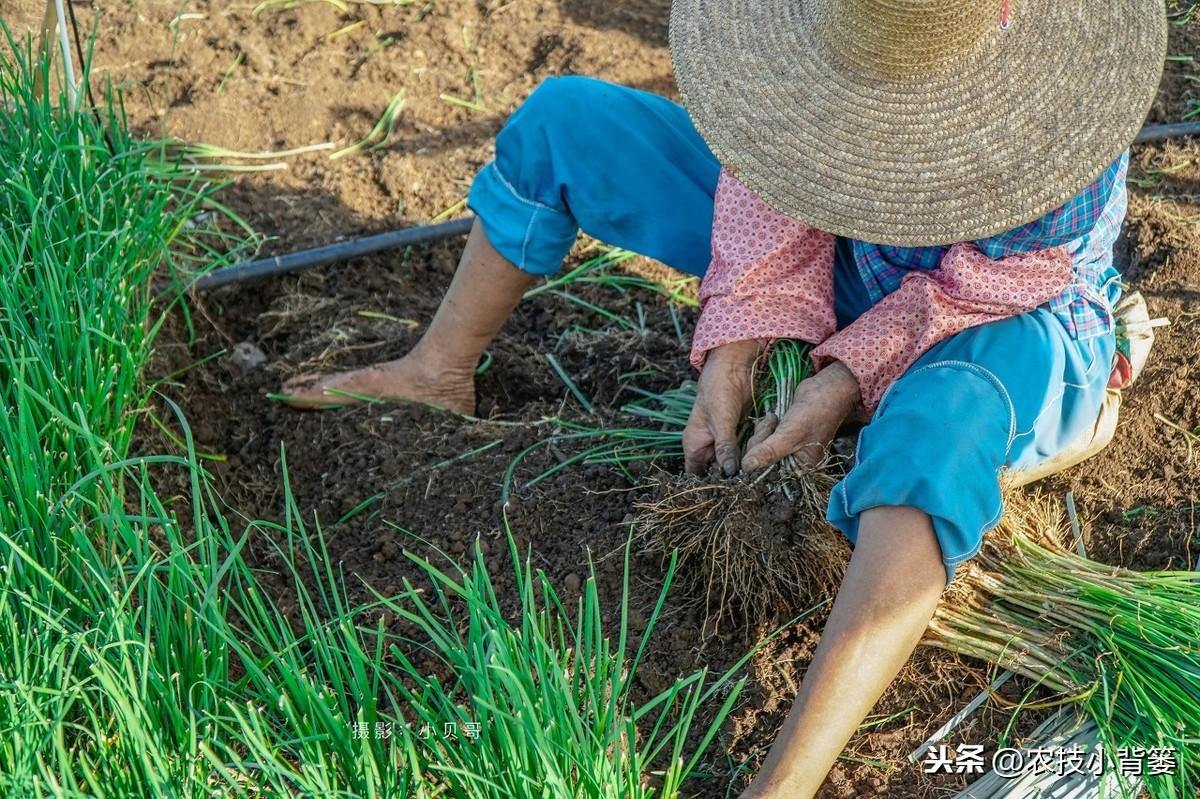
(927, 190)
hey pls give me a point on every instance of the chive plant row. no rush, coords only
(139, 655)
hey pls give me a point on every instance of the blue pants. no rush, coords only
(628, 168)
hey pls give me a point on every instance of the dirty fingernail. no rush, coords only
(729, 468)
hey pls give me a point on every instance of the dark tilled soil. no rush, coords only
(220, 74)
(336, 460)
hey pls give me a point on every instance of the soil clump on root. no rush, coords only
(748, 547)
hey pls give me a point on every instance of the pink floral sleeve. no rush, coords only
(770, 276)
(967, 289)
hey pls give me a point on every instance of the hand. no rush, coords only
(821, 404)
(722, 398)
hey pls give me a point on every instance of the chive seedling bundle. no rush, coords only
(787, 366)
(1122, 644)
(761, 538)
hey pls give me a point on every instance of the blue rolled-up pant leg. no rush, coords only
(1004, 395)
(623, 165)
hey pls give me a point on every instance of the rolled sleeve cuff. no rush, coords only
(753, 318)
(957, 486)
(532, 236)
(882, 343)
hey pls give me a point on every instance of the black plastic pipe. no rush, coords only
(330, 253)
(1159, 132)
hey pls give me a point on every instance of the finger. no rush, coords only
(792, 434)
(697, 449)
(763, 429)
(779, 446)
(812, 452)
(763, 455)
(728, 453)
(728, 456)
(724, 426)
(695, 462)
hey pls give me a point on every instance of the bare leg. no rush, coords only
(440, 369)
(885, 603)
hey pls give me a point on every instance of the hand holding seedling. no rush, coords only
(724, 393)
(821, 404)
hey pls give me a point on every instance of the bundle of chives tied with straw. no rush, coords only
(1120, 643)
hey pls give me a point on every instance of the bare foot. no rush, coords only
(403, 379)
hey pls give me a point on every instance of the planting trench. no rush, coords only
(1138, 499)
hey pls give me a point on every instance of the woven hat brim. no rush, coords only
(1008, 134)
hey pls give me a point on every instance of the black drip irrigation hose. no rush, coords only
(344, 250)
(1174, 130)
(331, 253)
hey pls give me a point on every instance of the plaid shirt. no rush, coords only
(1087, 225)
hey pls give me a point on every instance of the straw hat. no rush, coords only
(917, 122)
